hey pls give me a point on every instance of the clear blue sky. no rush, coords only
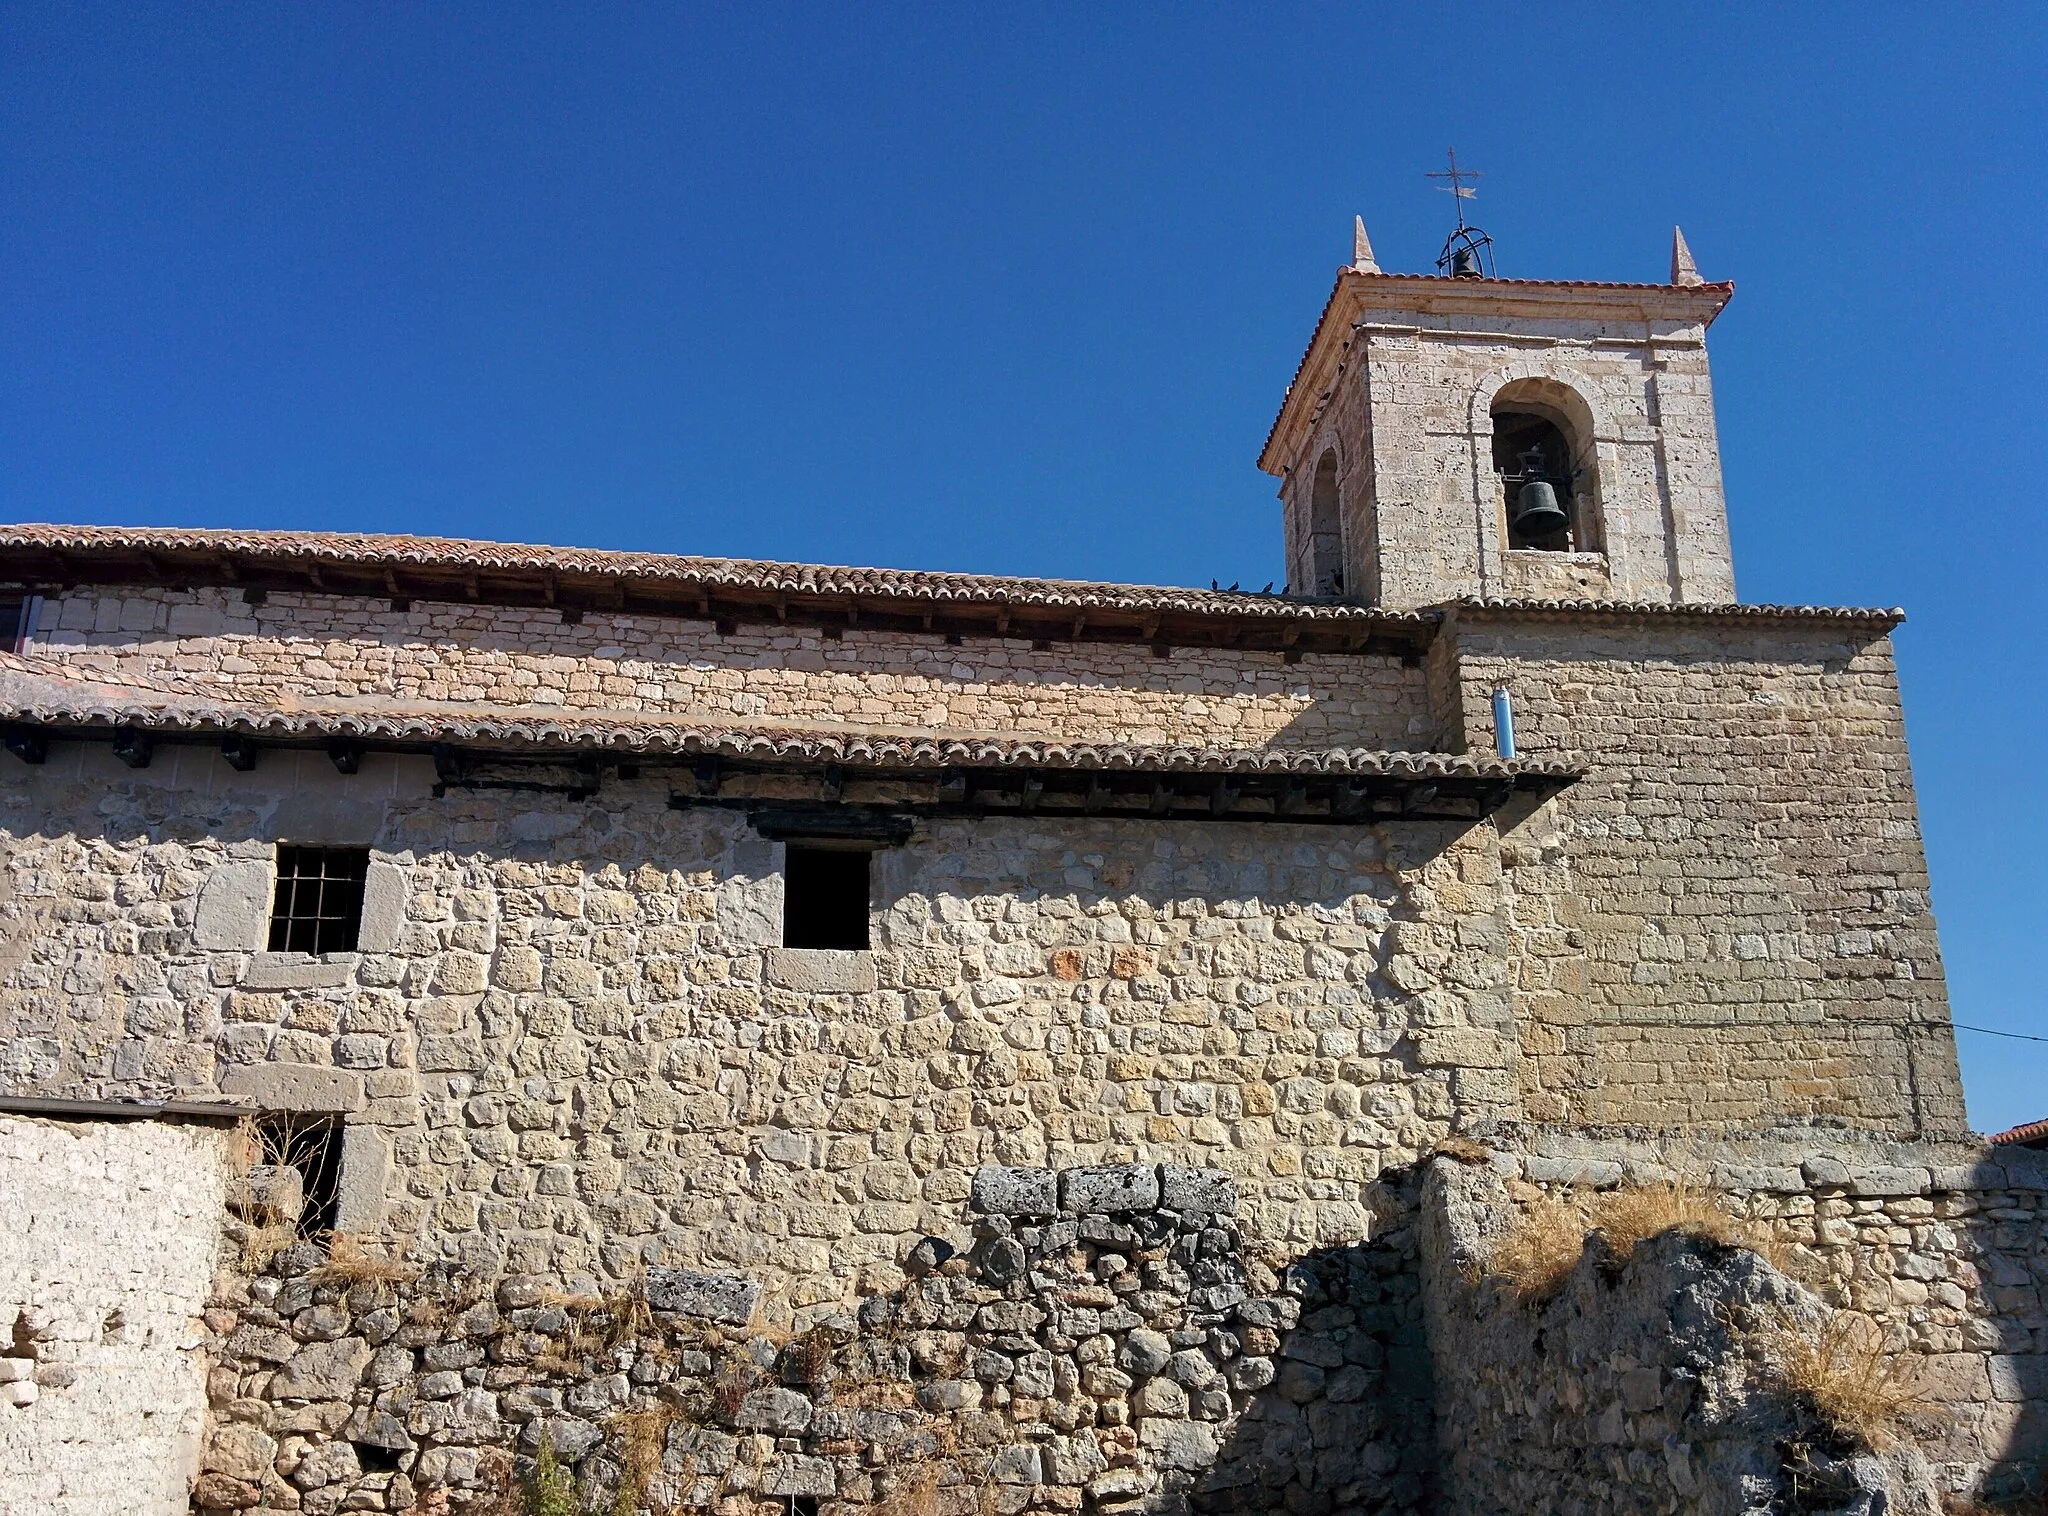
(1017, 289)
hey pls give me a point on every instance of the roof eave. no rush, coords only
(709, 589)
(1699, 302)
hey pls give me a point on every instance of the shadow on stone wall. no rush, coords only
(1347, 1424)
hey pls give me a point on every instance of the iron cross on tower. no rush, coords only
(1468, 251)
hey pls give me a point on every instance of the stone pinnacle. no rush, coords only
(1361, 248)
(1683, 269)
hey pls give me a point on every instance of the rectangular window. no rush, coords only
(11, 608)
(825, 897)
(319, 905)
(311, 1146)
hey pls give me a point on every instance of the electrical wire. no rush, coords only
(1964, 1026)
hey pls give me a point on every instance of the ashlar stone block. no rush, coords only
(1110, 1187)
(715, 1297)
(1002, 1191)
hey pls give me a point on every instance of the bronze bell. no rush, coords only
(1465, 264)
(1537, 514)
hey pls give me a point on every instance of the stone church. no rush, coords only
(486, 1024)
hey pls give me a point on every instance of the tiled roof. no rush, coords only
(31, 693)
(363, 563)
(1627, 610)
(2027, 1134)
(86, 548)
(720, 590)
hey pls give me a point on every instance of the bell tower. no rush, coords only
(1458, 435)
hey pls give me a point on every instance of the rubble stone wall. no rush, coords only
(106, 1261)
(1641, 1384)
(1107, 1339)
(209, 642)
(1943, 1246)
(1726, 922)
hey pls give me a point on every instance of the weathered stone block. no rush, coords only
(241, 1451)
(1189, 1445)
(1145, 1352)
(322, 1371)
(774, 1409)
(1109, 1187)
(999, 1191)
(715, 1297)
(1213, 1192)
(1600, 1173)
(233, 910)
(385, 887)
(1881, 1181)
(820, 971)
(1461, 1048)
(365, 1171)
(1824, 1172)
(294, 1087)
(297, 971)
(796, 1474)
(2019, 1376)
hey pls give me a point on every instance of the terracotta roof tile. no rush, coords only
(96, 547)
(30, 692)
(2027, 1134)
(373, 549)
(1625, 610)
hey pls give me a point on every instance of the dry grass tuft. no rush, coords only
(1631, 1216)
(264, 1240)
(915, 1493)
(349, 1266)
(643, 1439)
(1844, 1370)
(734, 1381)
(1464, 1149)
(1539, 1251)
(810, 1357)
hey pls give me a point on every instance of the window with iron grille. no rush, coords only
(319, 904)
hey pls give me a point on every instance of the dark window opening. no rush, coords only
(1325, 532)
(1534, 462)
(825, 897)
(319, 903)
(311, 1145)
(11, 607)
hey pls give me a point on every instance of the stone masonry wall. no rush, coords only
(1107, 1340)
(1409, 418)
(582, 1052)
(1644, 1382)
(330, 648)
(1943, 1246)
(1726, 921)
(106, 1260)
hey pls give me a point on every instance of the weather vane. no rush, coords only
(1468, 251)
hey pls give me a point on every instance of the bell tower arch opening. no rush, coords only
(1544, 457)
(1326, 531)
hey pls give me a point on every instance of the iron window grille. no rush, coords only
(319, 903)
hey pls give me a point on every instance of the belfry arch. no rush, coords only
(1326, 531)
(1543, 433)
